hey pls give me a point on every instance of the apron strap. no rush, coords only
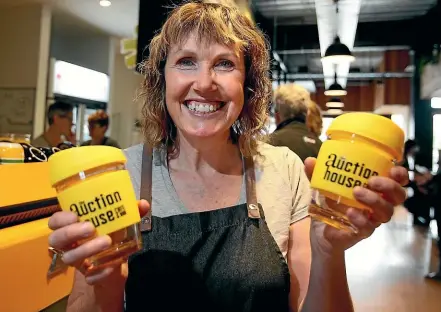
(250, 188)
(145, 191)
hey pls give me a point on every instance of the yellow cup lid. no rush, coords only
(70, 162)
(371, 126)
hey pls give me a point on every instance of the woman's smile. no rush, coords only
(204, 108)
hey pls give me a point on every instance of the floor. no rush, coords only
(386, 271)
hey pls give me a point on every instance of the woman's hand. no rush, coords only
(382, 195)
(67, 234)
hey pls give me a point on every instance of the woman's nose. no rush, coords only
(205, 81)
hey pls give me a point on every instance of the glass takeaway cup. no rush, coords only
(92, 182)
(359, 146)
(11, 152)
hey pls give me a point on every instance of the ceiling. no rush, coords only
(122, 16)
(329, 22)
(294, 12)
(120, 19)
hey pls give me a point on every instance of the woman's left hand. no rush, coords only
(382, 195)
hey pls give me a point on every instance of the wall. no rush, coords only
(75, 42)
(24, 33)
(20, 37)
(122, 106)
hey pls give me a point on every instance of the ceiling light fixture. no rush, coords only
(338, 53)
(336, 89)
(105, 3)
(335, 103)
(334, 111)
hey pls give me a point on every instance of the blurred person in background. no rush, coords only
(424, 191)
(291, 103)
(418, 202)
(435, 192)
(314, 120)
(60, 119)
(98, 126)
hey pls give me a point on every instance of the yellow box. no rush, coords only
(24, 255)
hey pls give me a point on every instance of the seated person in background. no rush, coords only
(291, 108)
(98, 125)
(59, 117)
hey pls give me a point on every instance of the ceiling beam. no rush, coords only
(410, 32)
(350, 76)
(264, 3)
(276, 8)
(355, 50)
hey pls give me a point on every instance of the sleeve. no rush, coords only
(300, 187)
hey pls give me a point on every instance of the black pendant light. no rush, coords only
(335, 103)
(335, 89)
(338, 53)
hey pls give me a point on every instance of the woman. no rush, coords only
(207, 88)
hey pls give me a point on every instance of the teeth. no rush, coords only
(203, 107)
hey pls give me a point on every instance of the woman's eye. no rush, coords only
(185, 62)
(225, 65)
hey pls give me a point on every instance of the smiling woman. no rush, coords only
(225, 220)
(241, 62)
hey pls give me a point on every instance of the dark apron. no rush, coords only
(222, 260)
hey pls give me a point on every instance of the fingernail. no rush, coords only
(87, 229)
(359, 191)
(105, 241)
(373, 182)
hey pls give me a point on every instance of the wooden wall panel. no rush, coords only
(369, 97)
(397, 91)
(359, 98)
(395, 61)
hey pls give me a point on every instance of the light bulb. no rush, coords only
(105, 3)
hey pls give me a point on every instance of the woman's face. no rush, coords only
(204, 87)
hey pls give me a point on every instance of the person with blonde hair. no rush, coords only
(314, 120)
(291, 105)
(226, 227)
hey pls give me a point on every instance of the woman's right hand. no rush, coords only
(68, 232)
